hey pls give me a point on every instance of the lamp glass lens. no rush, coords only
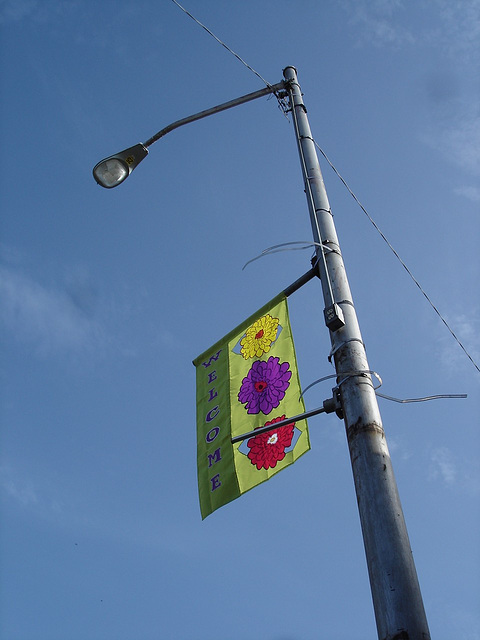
(111, 172)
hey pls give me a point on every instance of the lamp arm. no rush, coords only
(280, 86)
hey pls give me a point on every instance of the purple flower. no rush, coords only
(265, 385)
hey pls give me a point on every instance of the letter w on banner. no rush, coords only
(247, 380)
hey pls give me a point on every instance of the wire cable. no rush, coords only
(282, 106)
(398, 257)
(346, 375)
(221, 42)
(448, 395)
(288, 246)
(363, 372)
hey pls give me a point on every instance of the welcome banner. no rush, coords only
(247, 380)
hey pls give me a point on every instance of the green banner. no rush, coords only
(245, 381)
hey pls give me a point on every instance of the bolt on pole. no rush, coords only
(397, 600)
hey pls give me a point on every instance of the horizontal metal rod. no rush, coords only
(221, 107)
(295, 286)
(277, 425)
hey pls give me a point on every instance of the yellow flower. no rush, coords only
(259, 337)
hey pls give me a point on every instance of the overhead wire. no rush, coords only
(222, 43)
(396, 254)
(284, 109)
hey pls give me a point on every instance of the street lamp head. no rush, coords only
(113, 170)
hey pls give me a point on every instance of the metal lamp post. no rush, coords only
(396, 593)
(397, 599)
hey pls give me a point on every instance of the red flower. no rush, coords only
(268, 448)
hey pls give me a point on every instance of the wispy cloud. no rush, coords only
(464, 623)
(378, 22)
(40, 11)
(467, 329)
(50, 319)
(39, 496)
(458, 139)
(22, 493)
(63, 506)
(453, 26)
(72, 315)
(442, 465)
(469, 192)
(461, 27)
(399, 448)
(448, 32)
(15, 10)
(166, 339)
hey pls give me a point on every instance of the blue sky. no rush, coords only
(107, 296)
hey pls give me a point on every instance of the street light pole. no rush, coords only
(394, 584)
(112, 171)
(397, 600)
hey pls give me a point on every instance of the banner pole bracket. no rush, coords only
(295, 286)
(329, 406)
